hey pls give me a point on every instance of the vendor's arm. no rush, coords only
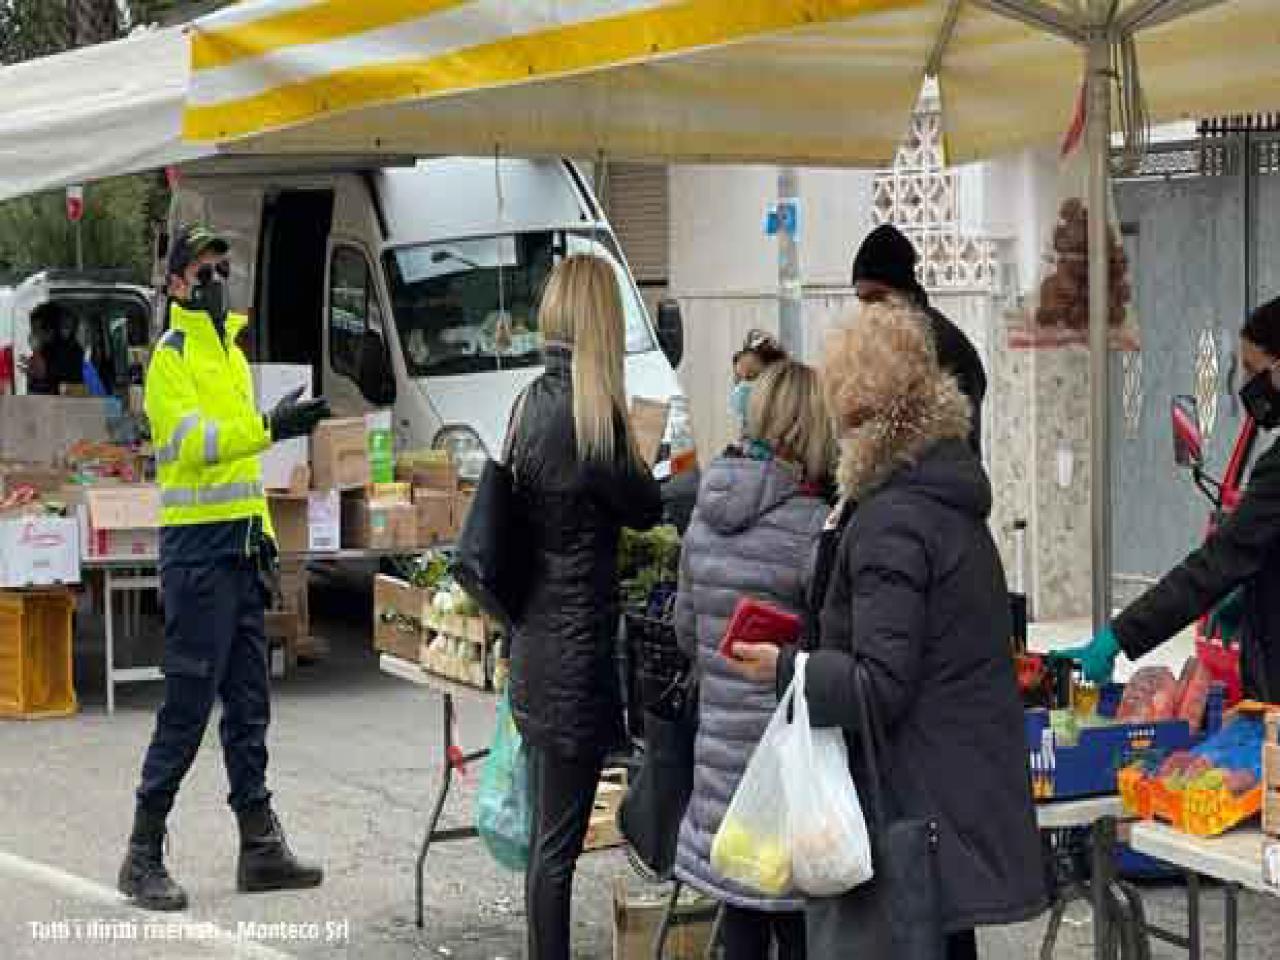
(888, 573)
(180, 431)
(1231, 555)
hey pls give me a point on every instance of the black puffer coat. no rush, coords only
(918, 599)
(564, 685)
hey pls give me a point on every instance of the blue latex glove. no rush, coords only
(1097, 658)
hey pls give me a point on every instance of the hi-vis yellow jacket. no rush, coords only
(205, 425)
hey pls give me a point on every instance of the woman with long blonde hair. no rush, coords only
(581, 481)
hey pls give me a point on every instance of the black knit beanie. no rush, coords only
(1263, 327)
(887, 257)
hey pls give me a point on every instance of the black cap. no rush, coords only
(887, 257)
(189, 243)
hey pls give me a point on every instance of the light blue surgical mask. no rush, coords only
(740, 402)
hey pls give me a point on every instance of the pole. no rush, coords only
(790, 327)
(79, 246)
(1098, 133)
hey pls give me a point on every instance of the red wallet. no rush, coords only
(755, 621)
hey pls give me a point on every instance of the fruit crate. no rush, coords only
(35, 654)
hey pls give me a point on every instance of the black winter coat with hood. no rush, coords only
(917, 598)
(564, 686)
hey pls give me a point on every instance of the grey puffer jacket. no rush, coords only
(753, 534)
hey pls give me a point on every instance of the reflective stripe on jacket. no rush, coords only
(205, 425)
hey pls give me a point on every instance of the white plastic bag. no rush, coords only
(752, 847)
(830, 846)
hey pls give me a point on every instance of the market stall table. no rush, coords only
(453, 758)
(1098, 815)
(132, 575)
(1234, 859)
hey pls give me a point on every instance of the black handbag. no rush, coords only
(907, 885)
(651, 812)
(492, 557)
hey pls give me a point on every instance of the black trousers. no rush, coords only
(564, 792)
(214, 646)
(748, 934)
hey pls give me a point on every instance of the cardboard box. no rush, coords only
(637, 915)
(428, 474)
(271, 383)
(399, 609)
(306, 522)
(1271, 811)
(434, 512)
(121, 520)
(282, 625)
(339, 454)
(1271, 764)
(376, 524)
(39, 551)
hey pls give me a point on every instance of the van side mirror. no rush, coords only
(671, 331)
(375, 378)
(1188, 442)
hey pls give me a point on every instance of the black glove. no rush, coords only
(289, 420)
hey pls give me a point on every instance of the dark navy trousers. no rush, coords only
(215, 646)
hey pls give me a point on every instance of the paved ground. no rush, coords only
(352, 756)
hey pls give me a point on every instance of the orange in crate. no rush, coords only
(35, 654)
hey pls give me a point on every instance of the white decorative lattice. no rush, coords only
(1208, 371)
(918, 195)
(1131, 363)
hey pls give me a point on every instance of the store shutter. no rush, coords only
(637, 200)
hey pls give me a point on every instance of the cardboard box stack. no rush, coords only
(379, 517)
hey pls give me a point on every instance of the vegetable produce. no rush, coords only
(763, 864)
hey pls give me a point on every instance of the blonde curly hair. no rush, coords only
(888, 395)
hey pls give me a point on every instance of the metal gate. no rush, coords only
(1202, 230)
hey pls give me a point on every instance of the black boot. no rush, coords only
(143, 877)
(266, 862)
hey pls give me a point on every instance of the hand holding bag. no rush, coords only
(492, 557)
(907, 889)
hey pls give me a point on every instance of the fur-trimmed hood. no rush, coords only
(896, 439)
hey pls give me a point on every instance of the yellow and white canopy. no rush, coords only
(826, 82)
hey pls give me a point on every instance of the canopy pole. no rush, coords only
(790, 284)
(1098, 140)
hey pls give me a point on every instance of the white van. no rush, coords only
(109, 315)
(417, 286)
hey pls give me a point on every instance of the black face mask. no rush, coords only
(1261, 400)
(210, 292)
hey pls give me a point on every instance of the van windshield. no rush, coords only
(470, 306)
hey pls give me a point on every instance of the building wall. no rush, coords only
(723, 271)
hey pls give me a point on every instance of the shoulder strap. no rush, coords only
(827, 550)
(513, 425)
(871, 736)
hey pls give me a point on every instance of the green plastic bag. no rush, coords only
(504, 812)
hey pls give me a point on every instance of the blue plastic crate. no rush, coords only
(1089, 767)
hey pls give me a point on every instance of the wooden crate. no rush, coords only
(602, 829)
(398, 608)
(637, 914)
